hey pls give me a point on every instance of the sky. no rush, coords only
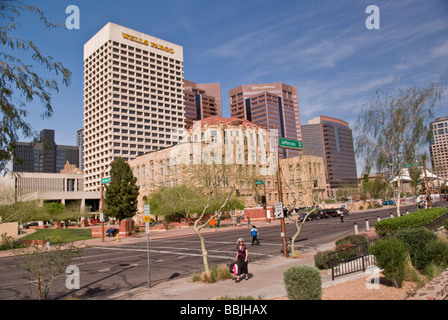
(323, 47)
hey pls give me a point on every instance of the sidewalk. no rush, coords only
(265, 282)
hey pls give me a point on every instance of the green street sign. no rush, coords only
(105, 180)
(259, 182)
(290, 143)
(410, 165)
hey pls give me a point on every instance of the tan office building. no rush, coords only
(133, 97)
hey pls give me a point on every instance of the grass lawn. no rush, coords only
(60, 235)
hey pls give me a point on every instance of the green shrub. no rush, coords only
(352, 239)
(445, 224)
(391, 256)
(303, 283)
(8, 243)
(415, 219)
(437, 251)
(415, 241)
(432, 269)
(345, 251)
(321, 260)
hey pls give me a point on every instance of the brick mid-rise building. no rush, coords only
(234, 142)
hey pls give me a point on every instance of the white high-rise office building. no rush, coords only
(133, 97)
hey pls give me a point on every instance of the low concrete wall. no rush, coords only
(125, 229)
(10, 228)
(258, 214)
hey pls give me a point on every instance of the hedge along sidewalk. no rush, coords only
(418, 218)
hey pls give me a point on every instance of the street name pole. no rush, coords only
(288, 144)
(280, 198)
(102, 209)
(147, 220)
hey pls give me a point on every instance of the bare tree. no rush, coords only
(45, 266)
(301, 184)
(392, 128)
(216, 185)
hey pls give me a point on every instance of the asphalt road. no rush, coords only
(106, 270)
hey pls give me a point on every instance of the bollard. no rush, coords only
(407, 211)
(367, 225)
(356, 227)
(378, 218)
(391, 215)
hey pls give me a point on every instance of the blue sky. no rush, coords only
(322, 47)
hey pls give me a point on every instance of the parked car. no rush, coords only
(323, 214)
(388, 202)
(332, 212)
(31, 224)
(312, 216)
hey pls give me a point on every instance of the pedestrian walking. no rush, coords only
(254, 233)
(242, 255)
(341, 215)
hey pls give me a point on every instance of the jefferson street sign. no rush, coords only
(105, 180)
(289, 143)
(410, 165)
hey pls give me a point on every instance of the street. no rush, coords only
(109, 269)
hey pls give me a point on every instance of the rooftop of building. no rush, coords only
(215, 120)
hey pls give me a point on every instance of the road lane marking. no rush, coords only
(222, 242)
(231, 256)
(155, 248)
(166, 252)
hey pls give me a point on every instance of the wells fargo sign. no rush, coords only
(147, 43)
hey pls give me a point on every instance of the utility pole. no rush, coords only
(280, 198)
(288, 144)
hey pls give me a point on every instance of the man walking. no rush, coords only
(341, 215)
(254, 234)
